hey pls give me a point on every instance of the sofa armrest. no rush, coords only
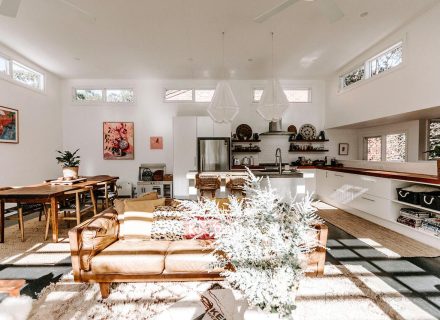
(91, 237)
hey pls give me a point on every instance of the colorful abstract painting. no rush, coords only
(8, 125)
(118, 140)
(156, 143)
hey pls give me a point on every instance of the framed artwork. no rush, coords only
(156, 143)
(343, 149)
(118, 140)
(8, 125)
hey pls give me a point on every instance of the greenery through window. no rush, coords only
(27, 76)
(396, 147)
(120, 95)
(373, 148)
(104, 95)
(353, 76)
(433, 136)
(88, 95)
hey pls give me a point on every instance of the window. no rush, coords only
(386, 60)
(392, 150)
(4, 65)
(104, 95)
(373, 148)
(299, 95)
(292, 95)
(396, 147)
(257, 94)
(203, 95)
(179, 95)
(189, 95)
(89, 95)
(27, 76)
(353, 76)
(120, 95)
(433, 135)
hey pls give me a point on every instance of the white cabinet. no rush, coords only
(185, 152)
(376, 186)
(186, 130)
(309, 182)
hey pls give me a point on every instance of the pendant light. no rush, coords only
(223, 107)
(273, 102)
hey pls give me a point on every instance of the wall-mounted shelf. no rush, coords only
(245, 151)
(244, 141)
(416, 206)
(305, 141)
(307, 151)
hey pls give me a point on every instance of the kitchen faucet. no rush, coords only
(279, 160)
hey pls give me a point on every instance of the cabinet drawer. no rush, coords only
(373, 205)
(376, 186)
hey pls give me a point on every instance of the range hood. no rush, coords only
(275, 129)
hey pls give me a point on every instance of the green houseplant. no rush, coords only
(70, 162)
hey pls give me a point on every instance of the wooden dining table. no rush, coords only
(45, 193)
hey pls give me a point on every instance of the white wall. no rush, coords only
(33, 159)
(82, 124)
(413, 86)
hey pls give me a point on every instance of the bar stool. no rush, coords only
(208, 183)
(235, 184)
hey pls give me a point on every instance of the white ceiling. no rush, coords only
(159, 38)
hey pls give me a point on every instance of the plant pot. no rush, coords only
(70, 173)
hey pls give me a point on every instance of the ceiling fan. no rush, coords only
(10, 8)
(328, 8)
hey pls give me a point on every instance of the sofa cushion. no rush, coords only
(119, 204)
(137, 219)
(189, 256)
(131, 258)
(96, 236)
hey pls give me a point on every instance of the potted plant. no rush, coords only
(435, 153)
(70, 162)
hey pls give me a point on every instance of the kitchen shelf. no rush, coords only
(305, 141)
(307, 151)
(245, 151)
(244, 141)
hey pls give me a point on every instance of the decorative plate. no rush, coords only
(292, 129)
(244, 132)
(308, 131)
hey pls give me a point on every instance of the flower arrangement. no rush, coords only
(262, 243)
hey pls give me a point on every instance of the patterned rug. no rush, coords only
(346, 292)
(34, 250)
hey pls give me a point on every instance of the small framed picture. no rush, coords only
(156, 143)
(343, 149)
(8, 125)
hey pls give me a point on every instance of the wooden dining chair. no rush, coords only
(107, 192)
(73, 205)
(209, 183)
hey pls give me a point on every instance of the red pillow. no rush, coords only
(201, 228)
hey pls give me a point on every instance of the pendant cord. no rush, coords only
(223, 55)
(273, 76)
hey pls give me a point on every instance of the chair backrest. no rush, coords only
(208, 181)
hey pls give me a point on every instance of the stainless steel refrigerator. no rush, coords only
(213, 154)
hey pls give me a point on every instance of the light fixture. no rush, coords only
(273, 102)
(223, 106)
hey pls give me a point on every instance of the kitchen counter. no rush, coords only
(415, 177)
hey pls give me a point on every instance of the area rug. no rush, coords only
(390, 243)
(34, 250)
(345, 292)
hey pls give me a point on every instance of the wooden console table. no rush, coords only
(44, 193)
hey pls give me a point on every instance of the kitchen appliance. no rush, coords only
(213, 154)
(275, 129)
(151, 179)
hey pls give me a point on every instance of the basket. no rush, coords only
(430, 200)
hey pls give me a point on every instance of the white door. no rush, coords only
(185, 152)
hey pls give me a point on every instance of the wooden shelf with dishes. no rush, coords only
(308, 141)
(245, 141)
(307, 151)
(245, 151)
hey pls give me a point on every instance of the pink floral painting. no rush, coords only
(118, 140)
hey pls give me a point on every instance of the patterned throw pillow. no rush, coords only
(167, 225)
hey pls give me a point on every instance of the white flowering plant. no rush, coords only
(262, 243)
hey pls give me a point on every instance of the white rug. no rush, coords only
(346, 292)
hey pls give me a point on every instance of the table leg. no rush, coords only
(2, 221)
(54, 217)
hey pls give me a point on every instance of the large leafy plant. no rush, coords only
(68, 159)
(262, 243)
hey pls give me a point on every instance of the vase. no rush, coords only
(70, 173)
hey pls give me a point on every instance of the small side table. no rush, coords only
(12, 287)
